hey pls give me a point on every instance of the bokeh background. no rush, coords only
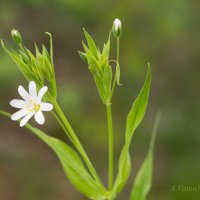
(165, 33)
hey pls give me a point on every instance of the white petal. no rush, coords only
(26, 119)
(39, 118)
(32, 89)
(23, 93)
(19, 114)
(46, 106)
(117, 24)
(16, 103)
(42, 92)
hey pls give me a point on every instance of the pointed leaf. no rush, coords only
(143, 179)
(107, 79)
(138, 109)
(118, 73)
(24, 68)
(71, 163)
(86, 49)
(106, 48)
(83, 56)
(91, 44)
(24, 57)
(124, 169)
(99, 84)
(134, 118)
(51, 46)
(94, 65)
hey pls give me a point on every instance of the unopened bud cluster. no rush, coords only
(38, 67)
(98, 64)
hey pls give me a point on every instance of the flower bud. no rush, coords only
(16, 36)
(117, 28)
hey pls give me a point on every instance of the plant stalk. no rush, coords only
(110, 126)
(110, 139)
(115, 77)
(77, 143)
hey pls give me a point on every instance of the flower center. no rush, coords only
(33, 106)
(36, 107)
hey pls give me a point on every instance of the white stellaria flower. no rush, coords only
(31, 105)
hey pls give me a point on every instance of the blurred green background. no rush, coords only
(165, 33)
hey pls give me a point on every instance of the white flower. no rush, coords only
(31, 105)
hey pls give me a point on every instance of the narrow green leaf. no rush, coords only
(91, 44)
(30, 54)
(138, 109)
(83, 56)
(74, 168)
(24, 57)
(24, 68)
(124, 169)
(143, 179)
(107, 79)
(46, 53)
(118, 73)
(94, 65)
(46, 64)
(71, 163)
(86, 49)
(51, 46)
(35, 65)
(103, 61)
(134, 118)
(37, 52)
(99, 84)
(106, 48)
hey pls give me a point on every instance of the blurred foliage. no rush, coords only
(165, 33)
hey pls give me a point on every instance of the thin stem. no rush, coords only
(77, 143)
(118, 46)
(52, 82)
(110, 138)
(110, 126)
(22, 48)
(115, 78)
(63, 127)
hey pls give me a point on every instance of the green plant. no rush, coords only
(38, 70)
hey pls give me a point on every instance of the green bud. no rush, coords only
(16, 36)
(117, 28)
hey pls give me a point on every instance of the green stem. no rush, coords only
(115, 78)
(22, 48)
(77, 143)
(110, 138)
(79, 147)
(53, 81)
(110, 126)
(118, 46)
(63, 127)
